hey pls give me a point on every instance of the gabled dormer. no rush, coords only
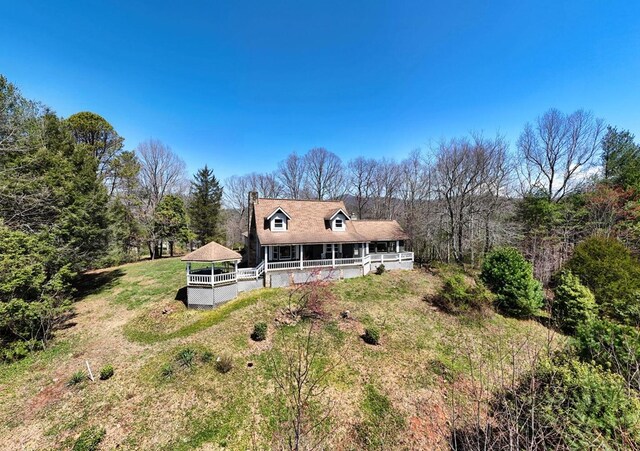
(338, 220)
(278, 220)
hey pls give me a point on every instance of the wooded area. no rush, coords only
(72, 198)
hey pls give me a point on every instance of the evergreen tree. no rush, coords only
(204, 207)
(621, 159)
(171, 221)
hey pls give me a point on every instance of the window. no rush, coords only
(285, 252)
(339, 223)
(278, 223)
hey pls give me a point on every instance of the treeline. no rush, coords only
(71, 199)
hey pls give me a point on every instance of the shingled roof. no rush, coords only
(309, 224)
(212, 252)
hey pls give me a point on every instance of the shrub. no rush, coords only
(206, 357)
(562, 404)
(612, 346)
(458, 296)
(613, 275)
(224, 363)
(89, 439)
(371, 336)
(106, 372)
(510, 278)
(167, 371)
(186, 357)
(77, 378)
(380, 269)
(259, 332)
(573, 303)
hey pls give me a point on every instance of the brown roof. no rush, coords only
(307, 224)
(212, 252)
(374, 230)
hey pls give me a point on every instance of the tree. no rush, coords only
(506, 272)
(573, 303)
(291, 174)
(325, 176)
(171, 221)
(98, 137)
(621, 159)
(204, 206)
(556, 151)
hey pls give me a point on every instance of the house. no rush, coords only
(292, 241)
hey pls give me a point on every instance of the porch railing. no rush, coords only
(396, 257)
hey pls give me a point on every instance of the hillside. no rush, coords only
(429, 368)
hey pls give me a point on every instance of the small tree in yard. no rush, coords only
(510, 276)
(573, 303)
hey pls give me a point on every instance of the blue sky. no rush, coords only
(239, 85)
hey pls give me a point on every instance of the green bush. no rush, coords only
(613, 275)
(573, 303)
(259, 332)
(224, 363)
(371, 335)
(106, 372)
(167, 371)
(510, 277)
(206, 357)
(380, 269)
(458, 296)
(77, 378)
(613, 346)
(89, 439)
(186, 358)
(562, 404)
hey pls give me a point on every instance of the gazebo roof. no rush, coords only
(212, 252)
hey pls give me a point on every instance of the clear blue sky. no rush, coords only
(238, 85)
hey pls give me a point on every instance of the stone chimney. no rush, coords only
(253, 199)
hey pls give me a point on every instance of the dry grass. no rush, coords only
(422, 355)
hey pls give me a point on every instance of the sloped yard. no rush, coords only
(428, 368)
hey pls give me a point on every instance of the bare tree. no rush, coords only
(325, 174)
(360, 176)
(267, 184)
(386, 189)
(291, 174)
(162, 172)
(556, 152)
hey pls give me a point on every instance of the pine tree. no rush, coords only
(204, 207)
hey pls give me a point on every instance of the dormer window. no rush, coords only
(278, 220)
(339, 223)
(278, 223)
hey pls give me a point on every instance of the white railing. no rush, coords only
(401, 257)
(260, 269)
(224, 277)
(247, 273)
(297, 264)
(199, 279)
(406, 256)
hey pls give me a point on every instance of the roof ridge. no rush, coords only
(299, 200)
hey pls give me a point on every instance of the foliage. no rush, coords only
(510, 277)
(206, 356)
(382, 422)
(380, 269)
(186, 358)
(89, 439)
(167, 371)
(607, 267)
(204, 207)
(573, 303)
(259, 331)
(615, 347)
(458, 296)
(106, 372)
(621, 159)
(562, 404)
(77, 378)
(224, 363)
(371, 335)
(171, 221)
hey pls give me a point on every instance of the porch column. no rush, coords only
(300, 249)
(333, 255)
(266, 258)
(397, 247)
(188, 271)
(212, 271)
(235, 270)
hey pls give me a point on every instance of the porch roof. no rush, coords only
(380, 230)
(212, 252)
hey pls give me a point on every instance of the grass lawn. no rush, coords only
(400, 394)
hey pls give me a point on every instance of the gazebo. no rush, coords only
(223, 265)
